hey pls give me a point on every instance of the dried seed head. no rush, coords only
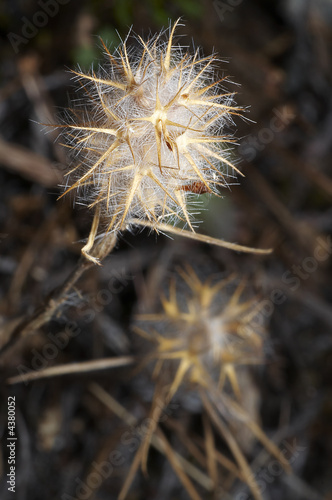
(149, 134)
(202, 337)
(205, 331)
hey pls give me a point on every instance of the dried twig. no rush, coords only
(30, 165)
(83, 367)
(30, 324)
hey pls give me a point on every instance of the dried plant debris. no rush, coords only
(177, 369)
(201, 339)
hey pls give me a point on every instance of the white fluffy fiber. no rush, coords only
(148, 133)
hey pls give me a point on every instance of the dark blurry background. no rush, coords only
(279, 52)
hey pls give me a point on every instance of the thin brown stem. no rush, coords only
(29, 324)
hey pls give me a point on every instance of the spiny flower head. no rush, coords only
(149, 134)
(202, 337)
(205, 330)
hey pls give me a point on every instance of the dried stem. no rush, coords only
(200, 237)
(83, 367)
(158, 441)
(29, 324)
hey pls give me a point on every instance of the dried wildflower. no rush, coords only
(148, 137)
(208, 332)
(201, 338)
